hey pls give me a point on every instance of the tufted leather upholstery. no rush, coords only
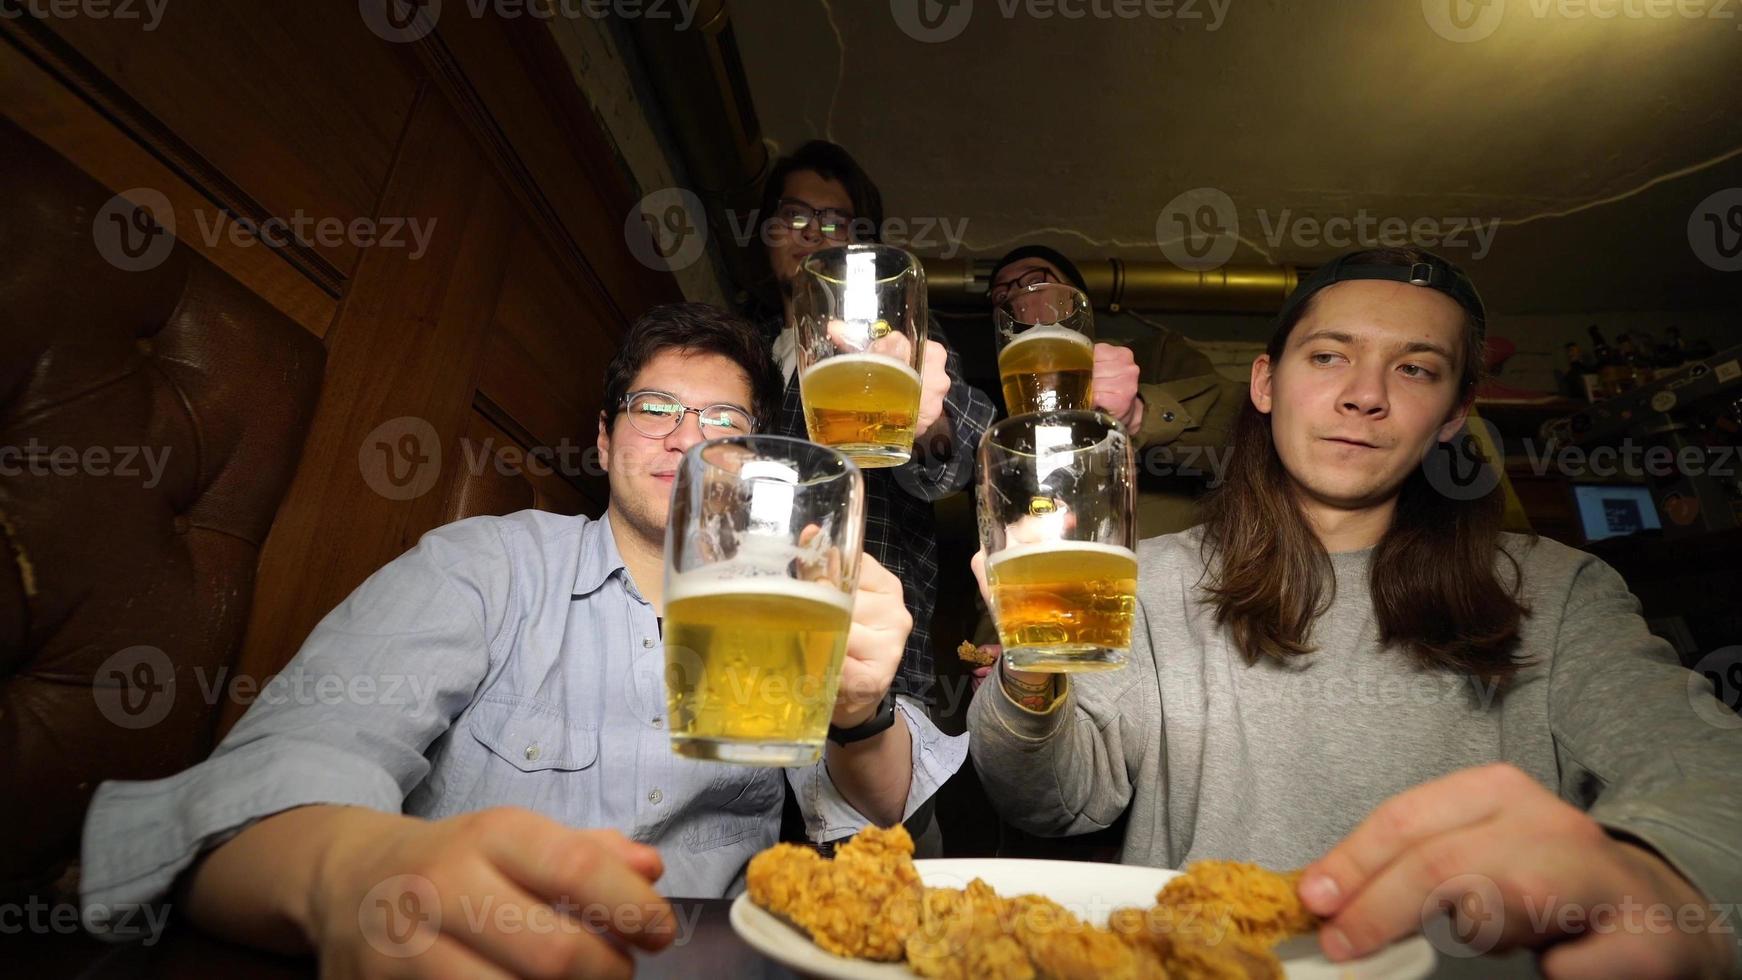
(180, 360)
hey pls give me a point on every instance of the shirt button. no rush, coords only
(532, 753)
(1167, 416)
(655, 796)
(647, 642)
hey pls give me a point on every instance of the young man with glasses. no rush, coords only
(820, 197)
(510, 691)
(1179, 410)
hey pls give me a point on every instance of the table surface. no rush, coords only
(711, 950)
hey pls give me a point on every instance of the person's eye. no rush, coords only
(724, 419)
(1418, 371)
(659, 410)
(1324, 357)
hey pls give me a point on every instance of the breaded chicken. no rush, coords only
(1253, 901)
(963, 934)
(861, 904)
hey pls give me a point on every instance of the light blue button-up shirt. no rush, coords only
(502, 661)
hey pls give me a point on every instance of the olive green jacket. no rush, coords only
(1185, 438)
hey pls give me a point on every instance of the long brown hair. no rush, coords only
(1436, 590)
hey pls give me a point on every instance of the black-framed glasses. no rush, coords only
(1001, 290)
(831, 223)
(657, 414)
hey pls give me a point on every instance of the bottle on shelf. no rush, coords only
(1607, 364)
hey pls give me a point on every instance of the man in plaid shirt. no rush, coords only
(816, 198)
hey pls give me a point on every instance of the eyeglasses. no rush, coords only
(1003, 289)
(657, 414)
(831, 223)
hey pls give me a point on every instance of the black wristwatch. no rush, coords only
(876, 725)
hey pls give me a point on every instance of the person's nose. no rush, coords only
(1364, 392)
(687, 433)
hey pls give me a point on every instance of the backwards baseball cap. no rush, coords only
(1428, 271)
(1057, 259)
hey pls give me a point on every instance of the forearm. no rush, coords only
(259, 887)
(874, 775)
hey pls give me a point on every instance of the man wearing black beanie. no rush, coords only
(1179, 410)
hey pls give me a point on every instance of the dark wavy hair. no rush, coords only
(1435, 586)
(831, 162)
(695, 328)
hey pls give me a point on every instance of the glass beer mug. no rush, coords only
(1046, 348)
(761, 563)
(860, 313)
(1058, 526)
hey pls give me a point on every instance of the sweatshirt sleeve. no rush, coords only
(1070, 769)
(1641, 741)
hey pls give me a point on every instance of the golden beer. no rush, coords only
(1047, 369)
(751, 667)
(1064, 605)
(864, 405)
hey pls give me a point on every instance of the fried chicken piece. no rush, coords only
(862, 904)
(1192, 953)
(1064, 947)
(1257, 903)
(963, 935)
(978, 656)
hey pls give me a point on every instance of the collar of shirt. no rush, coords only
(599, 559)
(786, 352)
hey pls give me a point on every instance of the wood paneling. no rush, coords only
(287, 107)
(500, 477)
(41, 104)
(404, 347)
(511, 84)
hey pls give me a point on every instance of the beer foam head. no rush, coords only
(731, 578)
(861, 361)
(1061, 547)
(1049, 331)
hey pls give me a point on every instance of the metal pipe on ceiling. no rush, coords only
(1116, 284)
(704, 97)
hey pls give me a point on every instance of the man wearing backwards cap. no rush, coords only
(1175, 407)
(1349, 669)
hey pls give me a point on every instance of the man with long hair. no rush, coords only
(1351, 670)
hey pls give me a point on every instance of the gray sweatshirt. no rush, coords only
(1277, 763)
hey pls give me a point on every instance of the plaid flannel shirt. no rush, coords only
(900, 529)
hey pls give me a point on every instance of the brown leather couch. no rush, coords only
(150, 421)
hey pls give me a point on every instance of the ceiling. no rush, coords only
(1583, 146)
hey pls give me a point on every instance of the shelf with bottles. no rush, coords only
(1632, 363)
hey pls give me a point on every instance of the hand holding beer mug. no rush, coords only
(1058, 527)
(860, 312)
(1046, 348)
(761, 564)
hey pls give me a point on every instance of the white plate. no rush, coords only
(1089, 890)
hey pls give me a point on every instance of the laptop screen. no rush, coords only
(1611, 510)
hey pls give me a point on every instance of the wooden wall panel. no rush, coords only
(512, 84)
(405, 347)
(45, 106)
(499, 478)
(297, 105)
